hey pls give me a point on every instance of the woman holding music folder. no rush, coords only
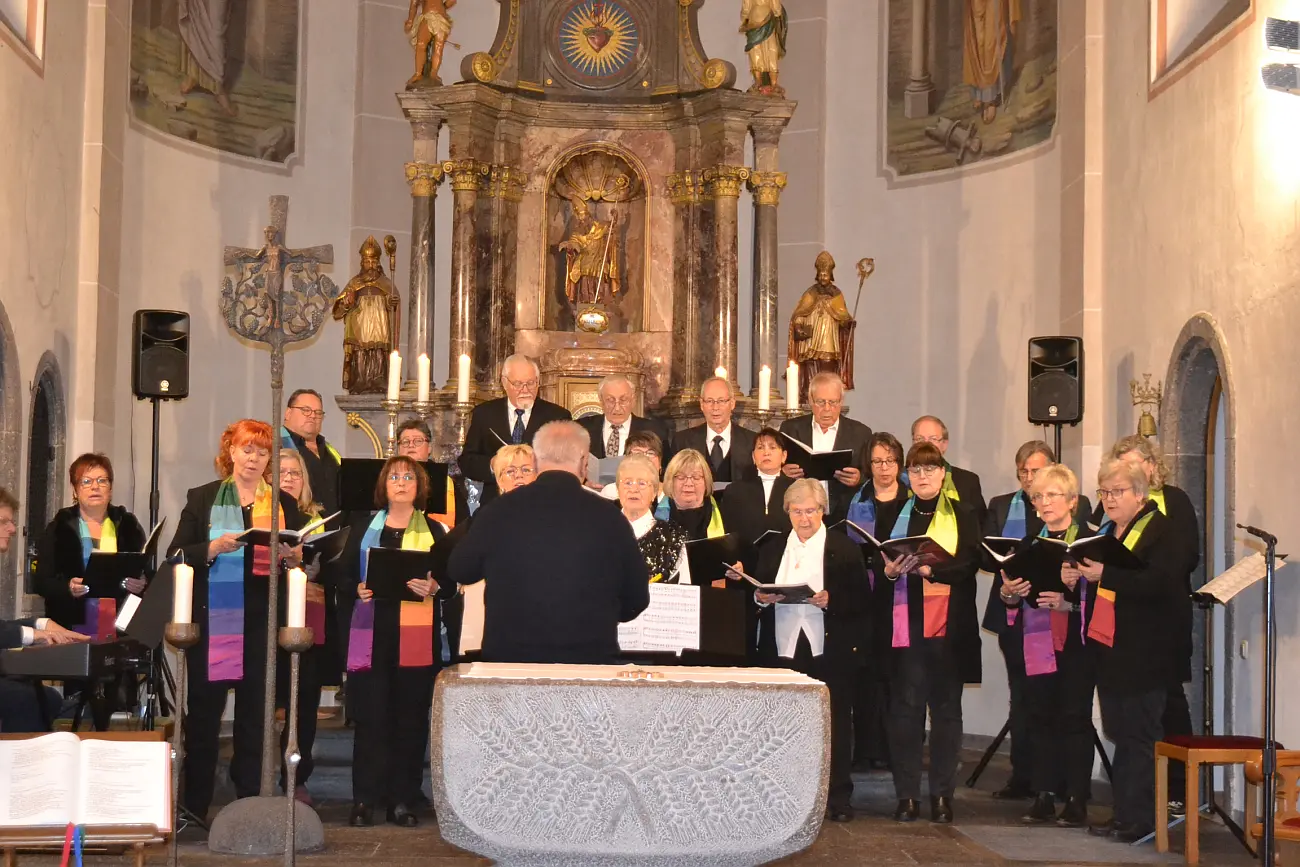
(820, 635)
(1133, 633)
(1045, 637)
(935, 633)
(394, 650)
(663, 544)
(230, 607)
(91, 524)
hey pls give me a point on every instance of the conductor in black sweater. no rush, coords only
(562, 565)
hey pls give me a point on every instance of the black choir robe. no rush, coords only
(748, 514)
(852, 435)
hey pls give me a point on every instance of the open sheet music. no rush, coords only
(815, 464)
(1240, 576)
(59, 779)
(292, 538)
(671, 622)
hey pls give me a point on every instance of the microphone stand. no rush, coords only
(1268, 842)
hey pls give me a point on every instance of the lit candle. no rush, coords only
(764, 385)
(182, 593)
(296, 611)
(462, 379)
(720, 372)
(792, 386)
(394, 375)
(422, 378)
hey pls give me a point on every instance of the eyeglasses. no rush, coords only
(98, 482)
(518, 472)
(715, 402)
(924, 471)
(291, 474)
(827, 404)
(8, 523)
(522, 384)
(1047, 497)
(1111, 493)
(310, 413)
(806, 513)
(635, 484)
(619, 401)
(412, 442)
(884, 462)
(401, 477)
(698, 480)
(1025, 474)
(935, 440)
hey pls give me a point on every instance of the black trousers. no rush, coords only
(206, 704)
(1132, 721)
(392, 715)
(309, 686)
(1177, 720)
(1059, 711)
(20, 708)
(924, 676)
(1017, 714)
(870, 706)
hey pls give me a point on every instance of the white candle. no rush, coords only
(182, 593)
(792, 385)
(462, 379)
(394, 375)
(720, 372)
(764, 385)
(422, 378)
(296, 610)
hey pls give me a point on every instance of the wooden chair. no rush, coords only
(1195, 751)
(1286, 819)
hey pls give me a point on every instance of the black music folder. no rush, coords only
(710, 559)
(388, 570)
(326, 547)
(815, 464)
(359, 476)
(1100, 549)
(789, 593)
(106, 572)
(930, 552)
(292, 538)
(149, 621)
(723, 613)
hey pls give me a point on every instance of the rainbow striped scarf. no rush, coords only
(1044, 630)
(100, 613)
(934, 612)
(414, 619)
(226, 579)
(1102, 627)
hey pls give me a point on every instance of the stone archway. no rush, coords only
(46, 490)
(11, 427)
(1199, 398)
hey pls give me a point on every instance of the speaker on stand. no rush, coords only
(1056, 382)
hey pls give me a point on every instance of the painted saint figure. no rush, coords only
(368, 308)
(203, 26)
(989, 28)
(765, 25)
(821, 329)
(591, 257)
(428, 26)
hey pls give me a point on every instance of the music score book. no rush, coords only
(292, 538)
(670, 623)
(815, 464)
(928, 551)
(790, 593)
(709, 559)
(1242, 574)
(106, 571)
(328, 546)
(388, 570)
(603, 470)
(59, 779)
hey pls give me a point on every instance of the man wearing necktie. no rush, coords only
(610, 428)
(728, 447)
(508, 420)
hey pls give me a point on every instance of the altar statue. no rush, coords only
(591, 257)
(821, 329)
(428, 26)
(369, 310)
(765, 25)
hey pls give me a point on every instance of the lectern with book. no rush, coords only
(116, 786)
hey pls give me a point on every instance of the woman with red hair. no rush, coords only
(230, 606)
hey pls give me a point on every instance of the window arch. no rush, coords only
(46, 442)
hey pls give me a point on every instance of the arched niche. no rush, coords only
(11, 426)
(1199, 437)
(46, 490)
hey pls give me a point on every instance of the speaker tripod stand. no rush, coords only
(1002, 736)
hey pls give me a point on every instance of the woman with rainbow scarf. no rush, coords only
(936, 642)
(230, 604)
(393, 655)
(1135, 636)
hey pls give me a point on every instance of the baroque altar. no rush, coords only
(597, 161)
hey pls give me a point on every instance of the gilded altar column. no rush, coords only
(423, 179)
(467, 178)
(918, 96)
(722, 185)
(766, 184)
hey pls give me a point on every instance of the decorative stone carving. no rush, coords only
(767, 187)
(424, 178)
(723, 181)
(467, 175)
(578, 765)
(507, 182)
(570, 375)
(684, 187)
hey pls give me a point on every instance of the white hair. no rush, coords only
(520, 358)
(805, 489)
(825, 377)
(613, 379)
(561, 445)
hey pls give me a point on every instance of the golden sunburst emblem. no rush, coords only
(598, 38)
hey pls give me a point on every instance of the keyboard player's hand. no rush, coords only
(53, 633)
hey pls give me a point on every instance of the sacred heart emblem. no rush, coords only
(597, 37)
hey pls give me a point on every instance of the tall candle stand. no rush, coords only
(423, 409)
(296, 640)
(181, 636)
(392, 407)
(462, 411)
(764, 417)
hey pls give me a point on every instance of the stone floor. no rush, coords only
(986, 832)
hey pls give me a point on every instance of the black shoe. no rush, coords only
(840, 814)
(402, 816)
(908, 810)
(1102, 829)
(1042, 811)
(1074, 814)
(1131, 833)
(941, 810)
(1014, 791)
(363, 816)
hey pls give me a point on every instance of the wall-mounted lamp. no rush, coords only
(1281, 34)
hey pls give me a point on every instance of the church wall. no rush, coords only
(1200, 214)
(967, 270)
(181, 206)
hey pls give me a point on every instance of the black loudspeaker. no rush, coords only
(160, 362)
(1055, 380)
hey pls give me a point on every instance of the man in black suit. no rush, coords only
(931, 429)
(562, 566)
(727, 447)
(611, 428)
(824, 429)
(514, 418)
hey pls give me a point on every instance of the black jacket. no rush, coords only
(563, 569)
(595, 426)
(58, 561)
(969, 492)
(489, 428)
(851, 435)
(11, 632)
(844, 577)
(740, 457)
(748, 515)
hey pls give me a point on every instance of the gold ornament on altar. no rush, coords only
(821, 327)
(371, 312)
(1146, 396)
(427, 27)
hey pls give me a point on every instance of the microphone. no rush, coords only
(1268, 538)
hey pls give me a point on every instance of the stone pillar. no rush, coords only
(496, 327)
(684, 193)
(722, 185)
(766, 184)
(423, 179)
(918, 96)
(467, 177)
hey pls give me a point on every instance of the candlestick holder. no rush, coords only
(296, 640)
(181, 636)
(392, 407)
(764, 417)
(423, 409)
(462, 411)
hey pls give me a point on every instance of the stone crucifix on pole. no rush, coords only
(278, 297)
